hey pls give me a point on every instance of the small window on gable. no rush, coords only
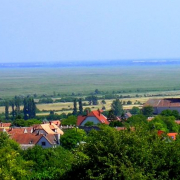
(43, 143)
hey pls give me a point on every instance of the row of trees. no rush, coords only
(29, 108)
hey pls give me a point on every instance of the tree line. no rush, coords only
(28, 112)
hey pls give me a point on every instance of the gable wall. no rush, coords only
(90, 119)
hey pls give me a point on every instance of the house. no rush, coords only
(95, 116)
(171, 135)
(45, 135)
(163, 104)
(5, 125)
(28, 140)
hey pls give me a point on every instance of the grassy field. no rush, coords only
(58, 107)
(24, 81)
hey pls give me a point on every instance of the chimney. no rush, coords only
(87, 112)
(50, 122)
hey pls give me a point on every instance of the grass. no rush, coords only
(24, 81)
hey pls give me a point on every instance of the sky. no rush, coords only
(88, 30)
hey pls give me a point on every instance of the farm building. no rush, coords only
(163, 104)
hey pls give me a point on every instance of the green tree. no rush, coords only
(6, 110)
(72, 137)
(70, 120)
(80, 106)
(137, 120)
(117, 108)
(147, 111)
(135, 110)
(12, 165)
(75, 107)
(140, 154)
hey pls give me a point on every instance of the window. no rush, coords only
(43, 143)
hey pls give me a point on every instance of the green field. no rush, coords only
(24, 81)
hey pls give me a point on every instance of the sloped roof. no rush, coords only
(51, 138)
(26, 138)
(80, 119)
(19, 130)
(5, 124)
(96, 113)
(172, 135)
(49, 128)
(169, 102)
(56, 122)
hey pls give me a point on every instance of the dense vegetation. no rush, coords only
(105, 154)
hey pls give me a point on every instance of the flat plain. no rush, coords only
(68, 80)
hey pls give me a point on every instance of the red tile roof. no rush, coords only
(172, 135)
(80, 119)
(177, 121)
(97, 113)
(5, 124)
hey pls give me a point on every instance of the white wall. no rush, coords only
(90, 119)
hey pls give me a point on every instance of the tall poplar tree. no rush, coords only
(80, 107)
(75, 107)
(7, 110)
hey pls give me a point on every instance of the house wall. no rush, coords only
(158, 110)
(90, 119)
(48, 145)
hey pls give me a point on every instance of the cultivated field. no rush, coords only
(24, 81)
(59, 107)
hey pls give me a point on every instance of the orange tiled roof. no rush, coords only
(5, 124)
(97, 114)
(172, 135)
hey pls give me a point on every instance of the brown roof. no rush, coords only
(51, 138)
(19, 130)
(169, 102)
(26, 138)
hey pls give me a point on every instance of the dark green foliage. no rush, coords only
(135, 110)
(49, 163)
(116, 124)
(140, 154)
(29, 109)
(45, 100)
(75, 107)
(129, 102)
(80, 107)
(117, 108)
(93, 100)
(7, 110)
(137, 120)
(164, 123)
(25, 123)
(147, 111)
(72, 137)
(168, 112)
(88, 123)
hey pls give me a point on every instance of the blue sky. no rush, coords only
(83, 30)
